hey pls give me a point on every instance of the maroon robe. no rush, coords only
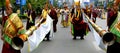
(88, 13)
(111, 18)
(33, 15)
(53, 15)
(79, 26)
(94, 14)
(6, 47)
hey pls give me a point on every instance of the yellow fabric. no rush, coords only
(30, 18)
(78, 14)
(16, 21)
(44, 13)
(18, 11)
(10, 29)
(13, 25)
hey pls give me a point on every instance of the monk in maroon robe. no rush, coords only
(31, 17)
(79, 25)
(112, 15)
(87, 11)
(7, 48)
(53, 15)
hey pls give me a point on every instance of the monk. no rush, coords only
(12, 27)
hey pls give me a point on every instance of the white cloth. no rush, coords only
(38, 35)
(97, 37)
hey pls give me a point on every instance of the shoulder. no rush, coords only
(13, 15)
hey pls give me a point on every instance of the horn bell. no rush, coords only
(17, 43)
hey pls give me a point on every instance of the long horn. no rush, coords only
(18, 42)
(106, 36)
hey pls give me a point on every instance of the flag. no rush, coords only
(17, 1)
(86, 0)
(51, 2)
(23, 2)
(115, 27)
(105, 4)
(38, 35)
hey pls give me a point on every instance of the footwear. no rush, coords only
(48, 39)
(74, 38)
(82, 38)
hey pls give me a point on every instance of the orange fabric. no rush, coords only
(7, 3)
(23, 37)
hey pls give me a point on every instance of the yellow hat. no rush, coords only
(77, 2)
(7, 3)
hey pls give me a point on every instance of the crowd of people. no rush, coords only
(13, 26)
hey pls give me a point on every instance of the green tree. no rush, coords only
(37, 3)
(2, 3)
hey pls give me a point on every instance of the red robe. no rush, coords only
(111, 18)
(88, 12)
(80, 25)
(8, 49)
(53, 15)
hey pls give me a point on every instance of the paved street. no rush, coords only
(62, 42)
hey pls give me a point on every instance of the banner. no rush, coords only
(97, 37)
(23, 2)
(86, 0)
(105, 4)
(17, 1)
(51, 1)
(38, 35)
(115, 27)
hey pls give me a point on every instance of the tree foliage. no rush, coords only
(34, 3)
(37, 3)
(2, 3)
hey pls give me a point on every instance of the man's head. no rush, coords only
(115, 8)
(91, 5)
(29, 6)
(46, 7)
(77, 5)
(51, 7)
(117, 2)
(86, 6)
(8, 7)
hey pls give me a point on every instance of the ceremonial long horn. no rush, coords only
(18, 42)
(106, 36)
